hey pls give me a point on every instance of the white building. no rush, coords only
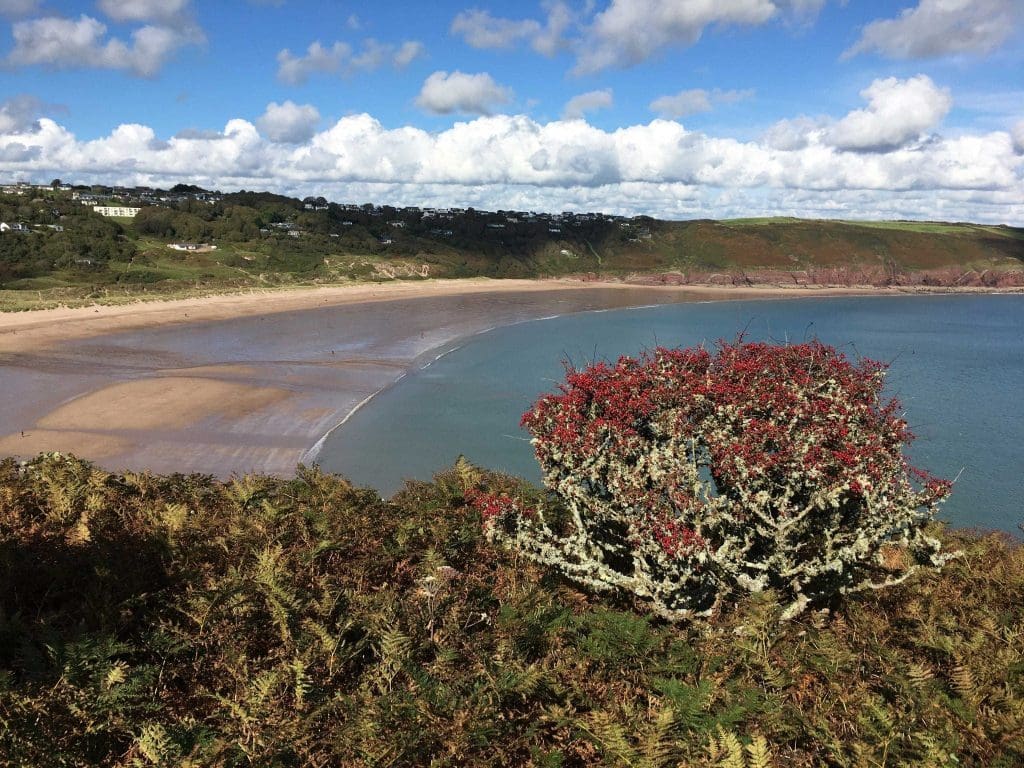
(117, 210)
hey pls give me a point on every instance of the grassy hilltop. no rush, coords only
(70, 253)
(180, 621)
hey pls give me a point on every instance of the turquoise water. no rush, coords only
(957, 364)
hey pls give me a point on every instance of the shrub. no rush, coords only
(688, 477)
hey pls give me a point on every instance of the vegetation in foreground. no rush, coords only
(183, 621)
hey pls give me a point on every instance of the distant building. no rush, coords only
(192, 246)
(116, 210)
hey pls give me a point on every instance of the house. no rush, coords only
(192, 247)
(17, 226)
(122, 211)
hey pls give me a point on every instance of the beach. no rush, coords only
(251, 382)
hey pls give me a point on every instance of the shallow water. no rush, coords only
(957, 364)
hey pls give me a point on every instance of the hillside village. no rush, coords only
(75, 242)
(128, 202)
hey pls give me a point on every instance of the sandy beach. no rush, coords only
(251, 382)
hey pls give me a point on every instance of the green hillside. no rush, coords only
(66, 252)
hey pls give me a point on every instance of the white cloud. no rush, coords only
(20, 114)
(408, 52)
(58, 43)
(696, 100)
(342, 59)
(792, 134)
(898, 112)
(289, 123)
(683, 103)
(631, 31)
(802, 11)
(1018, 136)
(512, 161)
(941, 28)
(478, 94)
(590, 101)
(145, 10)
(15, 8)
(482, 30)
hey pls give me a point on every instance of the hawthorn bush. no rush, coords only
(687, 478)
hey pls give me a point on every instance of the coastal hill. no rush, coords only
(63, 243)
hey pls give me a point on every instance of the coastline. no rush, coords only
(255, 382)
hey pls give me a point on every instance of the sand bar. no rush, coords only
(250, 382)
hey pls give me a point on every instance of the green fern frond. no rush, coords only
(657, 746)
(245, 490)
(393, 651)
(964, 681)
(303, 683)
(610, 737)
(155, 745)
(759, 752)
(468, 475)
(726, 751)
(116, 675)
(919, 674)
(174, 515)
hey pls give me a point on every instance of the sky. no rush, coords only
(681, 109)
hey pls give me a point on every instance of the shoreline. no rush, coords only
(181, 386)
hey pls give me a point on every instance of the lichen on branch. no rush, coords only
(692, 477)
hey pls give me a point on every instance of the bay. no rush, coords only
(956, 363)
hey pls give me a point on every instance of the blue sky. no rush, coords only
(691, 108)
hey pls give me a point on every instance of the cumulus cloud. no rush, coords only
(482, 30)
(590, 101)
(630, 31)
(289, 123)
(941, 28)
(58, 43)
(683, 103)
(696, 100)
(792, 134)
(20, 114)
(443, 93)
(1018, 136)
(145, 10)
(513, 161)
(898, 112)
(15, 8)
(342, 59)
(407, 53)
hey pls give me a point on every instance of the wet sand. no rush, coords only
(251, 382)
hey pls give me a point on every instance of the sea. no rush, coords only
(956, 362)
